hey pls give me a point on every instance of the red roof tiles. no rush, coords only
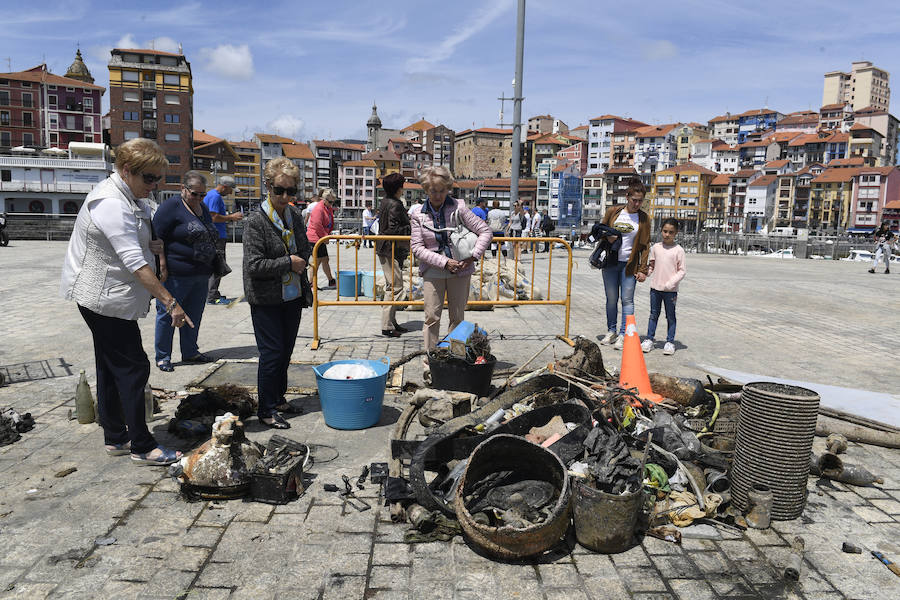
(38, 74)
(297, 151)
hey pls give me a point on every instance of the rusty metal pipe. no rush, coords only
(849, 474)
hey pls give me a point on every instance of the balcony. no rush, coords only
(151, 104)
(149, 124)
(148, 85)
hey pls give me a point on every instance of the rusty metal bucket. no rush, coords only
(505, 452)
(605, 522)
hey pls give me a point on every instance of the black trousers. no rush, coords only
(122, 373)
(213, 290)
(275, 328)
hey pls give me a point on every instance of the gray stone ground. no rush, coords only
(810, 320)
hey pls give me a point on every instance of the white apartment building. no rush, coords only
(356, 186)
(725, 127)
(544, 182)
(656, 148)
(865, 85)
(759, 206)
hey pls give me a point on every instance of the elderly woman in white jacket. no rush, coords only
(110, 272)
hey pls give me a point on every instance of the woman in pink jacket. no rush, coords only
(320, 224)
(441, 273)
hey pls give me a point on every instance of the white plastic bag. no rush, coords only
(346, 371)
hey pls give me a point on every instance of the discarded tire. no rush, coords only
(776, 427)
(504, 452)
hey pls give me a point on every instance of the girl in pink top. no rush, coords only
(666, 270)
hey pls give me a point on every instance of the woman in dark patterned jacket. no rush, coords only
(276, 252)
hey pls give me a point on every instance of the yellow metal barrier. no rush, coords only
(520, 241)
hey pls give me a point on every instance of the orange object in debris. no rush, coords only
(633, 373)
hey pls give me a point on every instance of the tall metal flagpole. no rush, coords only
(517, 107)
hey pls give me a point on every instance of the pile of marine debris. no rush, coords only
(565, 445)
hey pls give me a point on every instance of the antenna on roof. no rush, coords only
(9, 64)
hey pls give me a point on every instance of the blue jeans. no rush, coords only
(190, 292)
(616, 284)
(667, 299)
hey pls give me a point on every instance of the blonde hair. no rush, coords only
(326, 192)
(436, 175)
(281, 166)
(139, 155)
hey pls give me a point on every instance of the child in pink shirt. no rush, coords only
(667, 270)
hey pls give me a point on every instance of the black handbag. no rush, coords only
(219, 266)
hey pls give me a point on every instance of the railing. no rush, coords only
(54, 163)
(481, 301)
(81, 187)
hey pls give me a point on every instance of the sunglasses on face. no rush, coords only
(279, 191)
(150, 179)
(193, 194)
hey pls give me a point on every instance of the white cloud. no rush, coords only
(163, 44)
(234, 62)
(479, 20)
(286, 125)
(660, 50)
(127, 41)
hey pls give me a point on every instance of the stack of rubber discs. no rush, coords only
(776, 427)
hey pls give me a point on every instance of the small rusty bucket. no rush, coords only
(605, 522)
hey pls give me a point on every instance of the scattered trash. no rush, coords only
(378, 473)
(351, 499)
(32, 491)
(668, 534)
(196, 413)
(760, 499)
(349, 371)
(795, 560)
(830, 466)
(105, 541)
(889, 564)
(277, 478)
(65, 472)
(84, 400)
(851, 548)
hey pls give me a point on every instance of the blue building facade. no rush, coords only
(756, 120)
(571, 187)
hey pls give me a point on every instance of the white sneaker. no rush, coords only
(608, 339)
(647, 345)
(620, 342)
(669, 348)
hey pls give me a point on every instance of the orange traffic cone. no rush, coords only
(633, 373)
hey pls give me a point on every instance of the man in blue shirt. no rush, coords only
(480, 209)
(220, 217)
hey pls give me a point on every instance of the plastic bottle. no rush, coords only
(148, 403)
(84, 401)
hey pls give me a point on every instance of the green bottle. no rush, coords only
(84, 401)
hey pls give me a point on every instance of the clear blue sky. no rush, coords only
(312, 69)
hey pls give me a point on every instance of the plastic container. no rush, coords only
(461, 332)
(352, 403)
(456, 374)
(348, 283)
(367, 284)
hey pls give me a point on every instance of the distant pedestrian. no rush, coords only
(320, 224)
(216, 205)
(620, 279)
(110, 271)
(415, 206)
(480, 209)
(526, 225)
(666, 269)
(184, 225)
(884, 240)
(497, 219)
(547, 229)
(312, 204)
(515, 226)
(392, 220)
(368, 218)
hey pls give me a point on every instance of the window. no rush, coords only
(4, 117)
(4, 98)
(172, 99)
(88, 104)
(132, 76)
(70, 207)
(6, 175)
(54, 139)
(51, 100)
(173, 179)
(51, 87)
(131, 96)
(70, 122)
(5, 139)
(27, 119)
(130, 135)
(36, 206)
(130, 115)
(88, 125)
(149, 76)
(27, 101)
(26, 84)
(54, 121)
(131, 58)
(174, 159)
(173, 137)
(169, 61)
(171, 79)
(88, 137)
(172, 118)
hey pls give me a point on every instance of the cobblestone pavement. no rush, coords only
(809, 320)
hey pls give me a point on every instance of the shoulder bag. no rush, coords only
(462, 239)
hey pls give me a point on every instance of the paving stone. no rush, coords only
(474, 577)
(607, 588)
(691, 589)
(558, 575)
(205, 537)
(27, 590)
(656, 546)
(871, 514)
(671, 566)
(199, 593)
(729, 586)
(394, 577)
(389, 595)
(167, 583)
(595, 565)
(255, 511)
(438, 590)
(891, 506)
(565, 594)
(391, 554)
(642, 580)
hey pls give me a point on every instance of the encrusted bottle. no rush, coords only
(84, 401)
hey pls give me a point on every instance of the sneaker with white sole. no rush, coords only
(620, 342)
(669, 348)
(647, 345)
(609, 338)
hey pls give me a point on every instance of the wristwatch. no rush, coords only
(171, 306)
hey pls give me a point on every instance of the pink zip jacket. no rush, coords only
(424, 243)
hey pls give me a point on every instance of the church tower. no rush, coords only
(373, 125)
(78, 70)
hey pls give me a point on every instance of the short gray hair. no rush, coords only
(192, 178)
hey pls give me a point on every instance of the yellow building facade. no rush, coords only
(681, 192)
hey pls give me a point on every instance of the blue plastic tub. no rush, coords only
(461, 332)
(347, 283)
(352, 403)
(367, 284)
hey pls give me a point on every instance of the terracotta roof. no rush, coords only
(783, 136)
(504, 182)
(689, 167)
(605, 118)
(627, 125)
(870, 110)
(242, 144)
(562, 167)
(720, 145)
(807, 138)
(201, 137)
(655, 130)
(574, 140)
(860, 127)
(273, 139)
(400, 140)
(38, 74)
(763, 181)
(837, 106)
(621, 171)
(580, 127)
(799, 120)
(777, 164)
(420, 125)
(853, 161)
(551, 138)
(722, 179)
(755, 143)
(839, 136)
(467, 184)
(757, 112)
(359, 163)
(338, 145)
(381, 155)
(744, 173)
(880, 170)
(723, 118)
(146, 51)
(300, 151)
(492, 130)
(533, 136)
(808, 169)
(841, 175)
(411, 185)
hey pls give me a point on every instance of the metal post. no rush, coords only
(517, 107)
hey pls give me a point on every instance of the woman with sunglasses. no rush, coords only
(320, 224)
(276, 252)
(185, 226)
(111, 272)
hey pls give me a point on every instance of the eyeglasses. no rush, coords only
(194, 194)
(150, 179)
(278, 190)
